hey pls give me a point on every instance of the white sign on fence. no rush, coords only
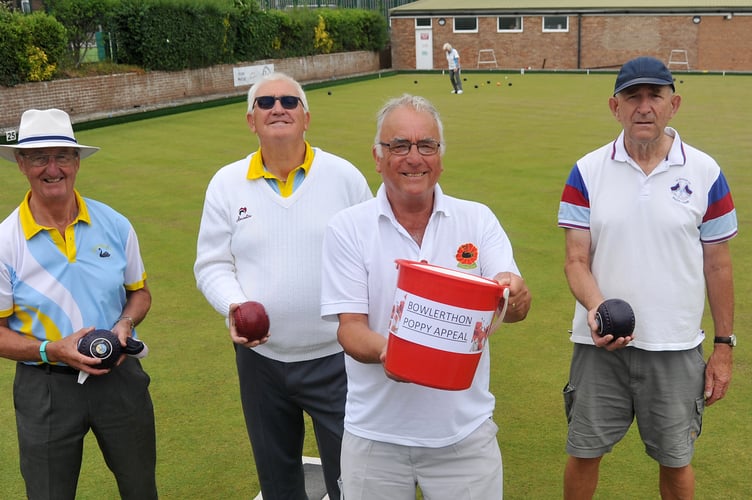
(248, 75)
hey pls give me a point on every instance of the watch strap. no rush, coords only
(731, 340)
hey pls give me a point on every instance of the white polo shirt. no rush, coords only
(359, 275)
(647, 233)
(453, 59)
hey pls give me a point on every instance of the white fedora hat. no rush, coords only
(49, 128)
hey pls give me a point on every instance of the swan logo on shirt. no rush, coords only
(243, 214)
(103, 253)
(681, 190)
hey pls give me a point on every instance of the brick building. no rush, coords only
(573, 34)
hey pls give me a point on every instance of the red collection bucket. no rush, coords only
(440, 322)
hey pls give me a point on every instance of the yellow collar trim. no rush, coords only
(30, 226)
(256, 169)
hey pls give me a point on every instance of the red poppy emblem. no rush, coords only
(467, 256)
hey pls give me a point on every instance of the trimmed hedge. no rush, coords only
(196, 35)
(172, 35)
(205, 34)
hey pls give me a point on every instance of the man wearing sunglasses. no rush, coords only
(399, 434)
(260, 239)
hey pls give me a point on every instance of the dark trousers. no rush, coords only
(54, 413)
(274, 396)
(456, 79)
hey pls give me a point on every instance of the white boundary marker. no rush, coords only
(306, 460)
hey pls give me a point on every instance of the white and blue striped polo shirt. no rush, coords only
(647, 234)
(51, 287)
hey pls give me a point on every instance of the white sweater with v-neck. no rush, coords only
(253, 244)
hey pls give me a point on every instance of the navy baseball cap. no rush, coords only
(643, 70)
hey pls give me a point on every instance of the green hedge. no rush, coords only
(32, 47)
(196, 35)
(173, 35)
(205, 34)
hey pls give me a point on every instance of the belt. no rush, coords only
(67, 370)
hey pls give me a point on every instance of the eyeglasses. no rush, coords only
(41, 160)
(426, 147)
(287, 101)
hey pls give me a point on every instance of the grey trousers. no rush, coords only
(54, 413)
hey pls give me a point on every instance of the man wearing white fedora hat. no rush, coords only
(70, 265)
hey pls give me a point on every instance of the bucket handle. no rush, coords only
(497, 321)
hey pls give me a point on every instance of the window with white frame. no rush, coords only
(422, 22)
(509, 24)
(555, 23)
(465, 24)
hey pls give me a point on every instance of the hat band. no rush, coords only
(46, 138)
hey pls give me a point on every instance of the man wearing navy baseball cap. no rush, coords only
(641, 71)
(648, 219)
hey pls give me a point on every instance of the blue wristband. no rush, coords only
(43, 351)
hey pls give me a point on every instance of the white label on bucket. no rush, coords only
(437, 325)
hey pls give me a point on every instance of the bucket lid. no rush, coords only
(447, 273)
(449, 286)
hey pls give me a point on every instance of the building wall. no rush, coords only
(128, 93)
(715, 44)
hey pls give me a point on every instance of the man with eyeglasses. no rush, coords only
(260, 239)
(68, 265)
(399, 434)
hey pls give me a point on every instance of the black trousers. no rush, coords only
(274, 396)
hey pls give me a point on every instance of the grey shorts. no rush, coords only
(662, 390)
(470, 468)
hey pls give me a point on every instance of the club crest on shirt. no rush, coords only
(681, 190)
(103, 252)
(243, 214)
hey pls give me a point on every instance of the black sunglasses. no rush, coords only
(287, 101)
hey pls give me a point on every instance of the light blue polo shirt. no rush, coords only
(51, 287)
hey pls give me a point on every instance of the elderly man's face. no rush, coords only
(644, 111)
(51, 171)
(278, 123)
(409, 178)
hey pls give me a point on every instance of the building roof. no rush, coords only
(497, 7)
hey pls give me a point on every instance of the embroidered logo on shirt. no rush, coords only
(243, 214)
(681, 191)
(467, 255)
(103, 253)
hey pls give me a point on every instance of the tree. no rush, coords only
(82, 19)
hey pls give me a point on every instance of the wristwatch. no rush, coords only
(726, 340)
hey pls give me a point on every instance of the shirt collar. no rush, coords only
(256, 169)
(385, 209)
(675, 156)
(30, 226)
